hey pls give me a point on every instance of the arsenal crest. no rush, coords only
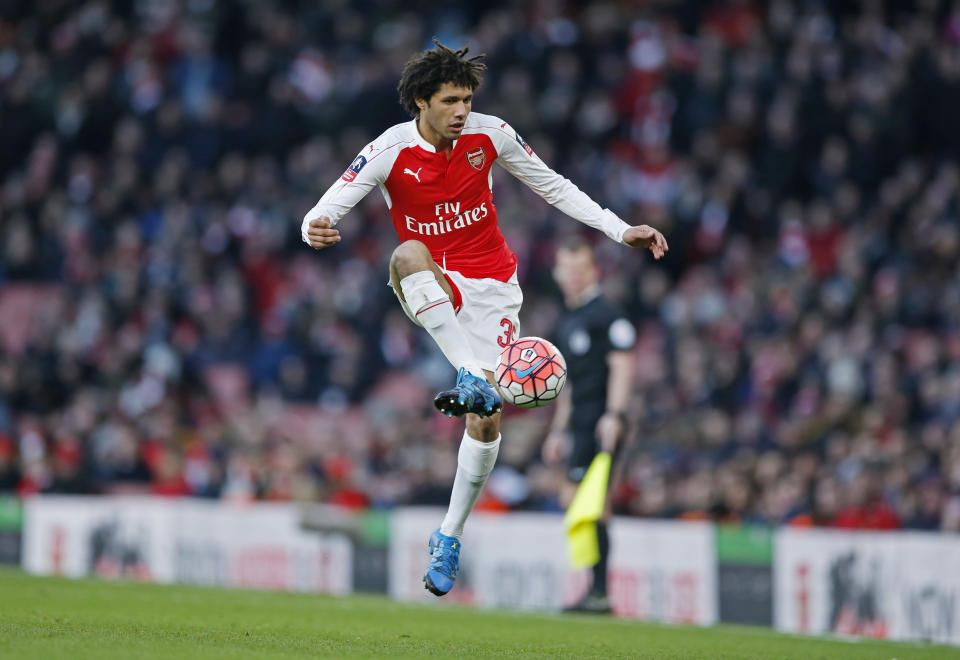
(476, 158)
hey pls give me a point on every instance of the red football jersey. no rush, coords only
(446, 202)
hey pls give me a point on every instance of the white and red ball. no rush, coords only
(531, 372)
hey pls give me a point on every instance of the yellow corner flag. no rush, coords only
(585, 510)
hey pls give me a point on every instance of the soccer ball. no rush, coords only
(531, 372)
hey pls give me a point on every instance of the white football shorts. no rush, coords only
(489, 313)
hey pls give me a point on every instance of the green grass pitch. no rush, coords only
(75, 619)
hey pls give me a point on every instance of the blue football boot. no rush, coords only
(444, 563)
(471, 394)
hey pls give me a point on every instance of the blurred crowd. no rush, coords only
(164, 330)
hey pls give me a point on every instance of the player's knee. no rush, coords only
(410, 257)
(484, 429)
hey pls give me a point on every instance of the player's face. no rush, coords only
(575, 271)
(446, 111)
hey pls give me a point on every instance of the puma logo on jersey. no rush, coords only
(415, 175)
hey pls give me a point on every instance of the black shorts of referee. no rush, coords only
(585, 448)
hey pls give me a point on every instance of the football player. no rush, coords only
(453, 272)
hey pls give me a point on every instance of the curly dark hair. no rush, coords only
(427, 71)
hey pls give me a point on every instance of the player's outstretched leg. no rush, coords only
(421, 285)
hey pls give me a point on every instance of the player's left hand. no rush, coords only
(609, 429)
(645, 236)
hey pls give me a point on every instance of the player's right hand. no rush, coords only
(319, 233)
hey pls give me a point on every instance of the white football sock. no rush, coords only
(432, 307)
(474, 464)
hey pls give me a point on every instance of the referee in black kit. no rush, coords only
(597, 340)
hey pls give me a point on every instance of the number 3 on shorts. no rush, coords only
(509, 333)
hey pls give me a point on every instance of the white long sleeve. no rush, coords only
(374, 163)
(520, 161)
(370, 168)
